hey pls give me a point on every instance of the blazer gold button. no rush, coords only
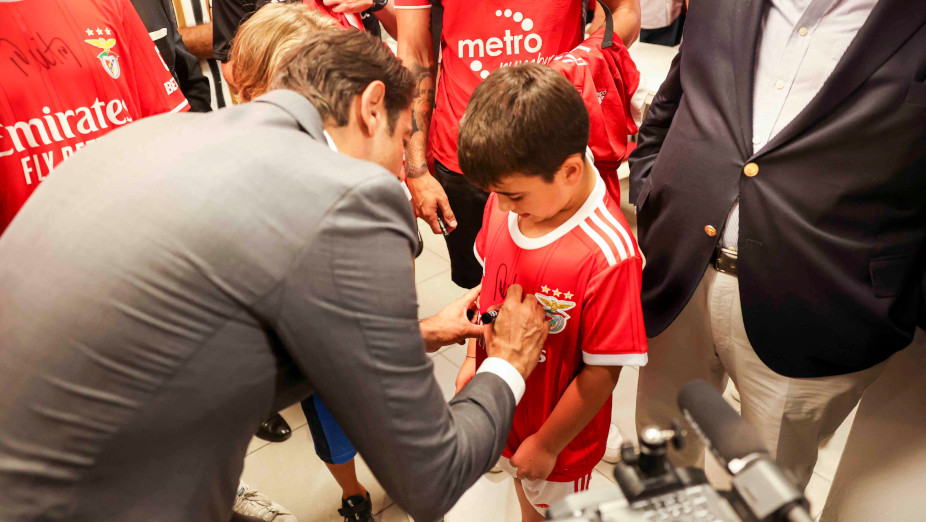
(711, 231)
(751, 169)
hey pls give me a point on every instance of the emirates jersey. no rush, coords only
(72, 71)
(479, 36)
(586, 273)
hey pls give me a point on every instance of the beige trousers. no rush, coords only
(883, 468)
(708, 341)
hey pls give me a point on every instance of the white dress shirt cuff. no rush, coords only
(507, 372)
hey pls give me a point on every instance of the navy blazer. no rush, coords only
(832, 235)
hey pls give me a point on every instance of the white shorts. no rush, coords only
(543, 493)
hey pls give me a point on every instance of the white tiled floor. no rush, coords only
(293, 476)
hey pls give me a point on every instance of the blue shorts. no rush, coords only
(331, 444)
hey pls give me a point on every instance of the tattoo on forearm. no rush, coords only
(422, 105)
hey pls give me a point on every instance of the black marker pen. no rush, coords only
(489, 317)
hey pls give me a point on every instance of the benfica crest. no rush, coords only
(555, 310)
(108, 58)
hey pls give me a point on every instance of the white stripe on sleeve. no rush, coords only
(615, 359)
(612, 235)
(623, 231)
(182, 105)
(605, 249)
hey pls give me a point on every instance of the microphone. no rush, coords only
(730, 437)
(758, 481)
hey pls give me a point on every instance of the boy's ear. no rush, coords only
(572, 169)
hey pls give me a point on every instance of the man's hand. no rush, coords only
(466, 373)
(427, 197)
(451, 325)
(533, 460)
(348, 6)
(518, 333)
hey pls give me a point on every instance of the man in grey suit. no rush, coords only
(154, 306)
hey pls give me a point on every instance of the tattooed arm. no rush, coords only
(415, 51)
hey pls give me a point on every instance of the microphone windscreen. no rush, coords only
(728, 435)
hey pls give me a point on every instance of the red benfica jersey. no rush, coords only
(479, 36)
(72, 70)
(586, 274)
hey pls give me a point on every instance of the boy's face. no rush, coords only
(531, 197)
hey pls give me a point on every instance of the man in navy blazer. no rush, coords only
(780, 185)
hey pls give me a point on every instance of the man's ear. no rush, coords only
(572, 169)
(372, 107)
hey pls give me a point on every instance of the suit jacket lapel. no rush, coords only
(889, 25)
(301, 109)
(747, 21)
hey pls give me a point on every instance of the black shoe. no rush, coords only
(357, 508)
(274, 429)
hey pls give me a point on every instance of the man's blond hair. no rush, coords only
(264, 40)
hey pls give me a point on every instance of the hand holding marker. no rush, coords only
(487, 318)
(490, 316)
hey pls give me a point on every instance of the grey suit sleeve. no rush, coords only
(654, 129)
(348, 316)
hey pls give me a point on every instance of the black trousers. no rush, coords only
(468, 202)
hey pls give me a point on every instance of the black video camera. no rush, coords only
(655, 490)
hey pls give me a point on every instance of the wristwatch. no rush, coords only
(377, 6)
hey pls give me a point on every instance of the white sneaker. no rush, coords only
(612, 452)
(496, 469)
(255, 504)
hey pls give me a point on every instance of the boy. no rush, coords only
(550, 226)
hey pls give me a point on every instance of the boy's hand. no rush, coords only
(533, 460)
(465, 374)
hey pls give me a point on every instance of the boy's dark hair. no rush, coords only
(525, 119)
(331, 67)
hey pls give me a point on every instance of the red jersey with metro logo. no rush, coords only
(479, 36)
(586, 274)
(71, 72)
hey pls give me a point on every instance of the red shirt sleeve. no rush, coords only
(156, 89)
(412, 4)
(479, 249)
(611, 330)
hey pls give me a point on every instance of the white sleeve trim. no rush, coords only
(506, 371)
(157, 35)
(182, 105)
(478, 257)
(413, 7)
(615, 359)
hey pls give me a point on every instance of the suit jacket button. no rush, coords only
(711, 231)
(751, 169)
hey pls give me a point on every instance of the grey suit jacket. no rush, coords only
(157, 285)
